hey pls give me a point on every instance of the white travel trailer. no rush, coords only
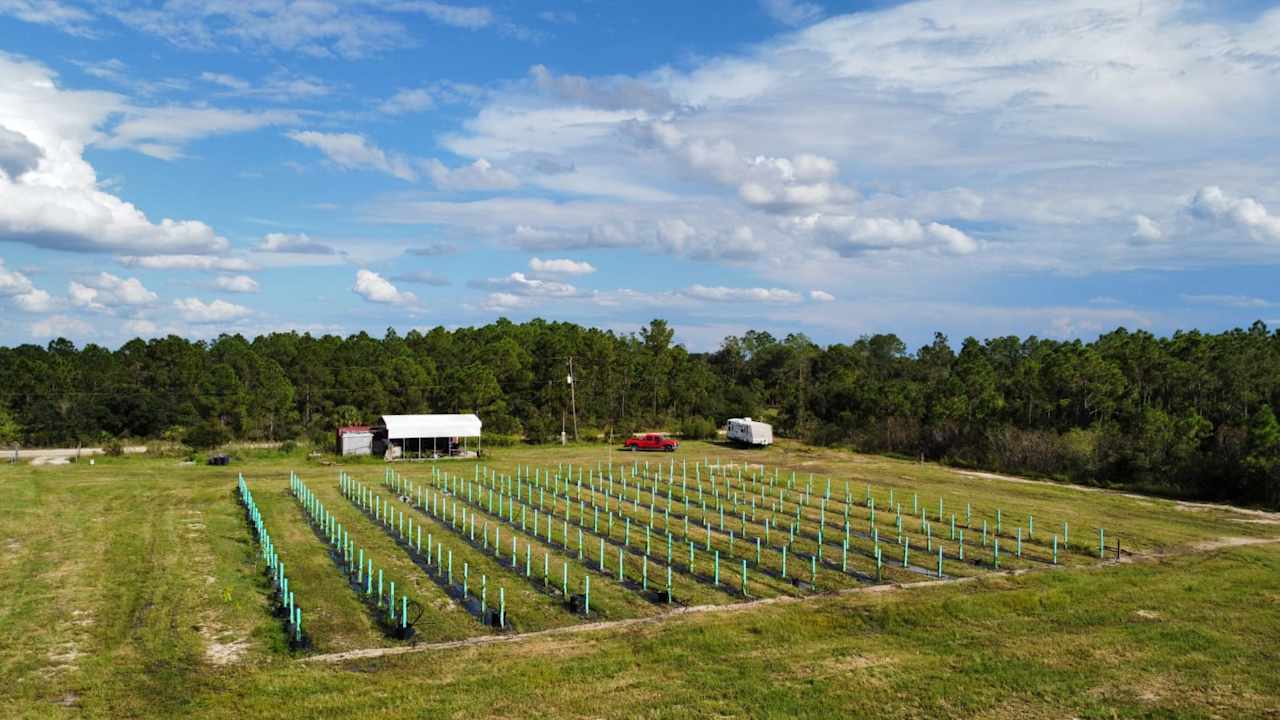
(750, 432)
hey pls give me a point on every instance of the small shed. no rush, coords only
(427, 436)
(355, 440)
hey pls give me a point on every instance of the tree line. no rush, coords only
(1192, 414)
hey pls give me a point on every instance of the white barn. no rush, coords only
(427, 436)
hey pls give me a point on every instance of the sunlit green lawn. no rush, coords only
(132, 589)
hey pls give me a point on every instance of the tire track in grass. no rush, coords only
(333, 617)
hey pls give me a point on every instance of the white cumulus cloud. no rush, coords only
(728, 294)
(197, 311)
(853, 235)
(479, 175)
(185, 262)
(561, 266)
(57, 202)
(56, 326)
(1146, 230)
(517, 283)
(293, 243)
(373, 287)
(1213, 204)
(106, 291)
(19, 289)
(236, 283)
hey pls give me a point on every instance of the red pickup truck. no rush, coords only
(651, 441)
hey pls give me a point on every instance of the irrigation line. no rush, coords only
(475, 605)
(657, 591)
(498, 483)
(682, 612)
(548, 584)
(285, 605)
(739, 512)
(330, 532)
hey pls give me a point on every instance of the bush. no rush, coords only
(206, 436)
(698, 428)
(113, 448)
(537, 430)
(499, 440)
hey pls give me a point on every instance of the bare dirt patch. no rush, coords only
(219, 649)
(843, 666)
(1230, 542)
(229, 653)
(1015, 479)
(64, 658)
(44, 460)
(1188, 506)
(552, 647)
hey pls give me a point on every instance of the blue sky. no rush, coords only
(832, 168)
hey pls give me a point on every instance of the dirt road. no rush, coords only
(56, 456)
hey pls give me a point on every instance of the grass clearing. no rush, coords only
(133, 590)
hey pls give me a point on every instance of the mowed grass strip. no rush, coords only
(442, 619)
(332, 614)
(1128, 641)
(116, 603)
(116, 565)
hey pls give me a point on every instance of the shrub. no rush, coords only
(113, 448)
(698, 428)
(537, 430)
(206, 436)
(499, 440)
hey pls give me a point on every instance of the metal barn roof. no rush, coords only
(425, 426)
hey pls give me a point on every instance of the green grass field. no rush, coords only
(133, 588)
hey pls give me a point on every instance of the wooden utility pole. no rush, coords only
(573, 400)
